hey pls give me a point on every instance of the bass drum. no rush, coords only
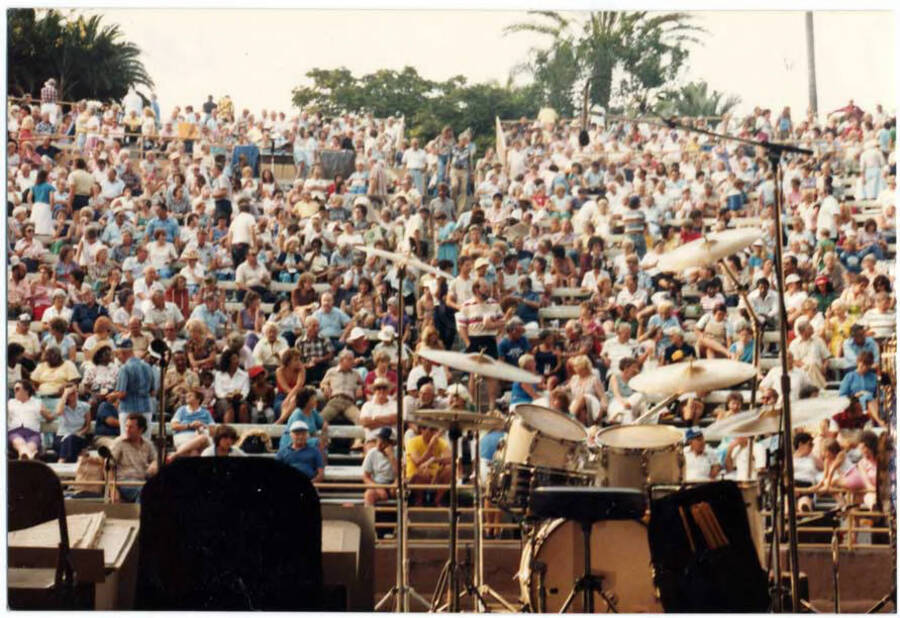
(620, 553)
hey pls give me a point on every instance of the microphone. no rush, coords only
(583, 138)
(159, 348)
(669, 122)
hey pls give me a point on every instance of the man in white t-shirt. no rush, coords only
(252, 275)
(700, 462)
(415, 160)
(242, 232)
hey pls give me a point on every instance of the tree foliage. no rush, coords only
(628, 55)
(695, 99)
(427, 105)
(89, 60)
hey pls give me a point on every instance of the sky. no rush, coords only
(258, 55)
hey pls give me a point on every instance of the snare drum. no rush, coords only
(545, 438)
(511, 485)
(639, 455)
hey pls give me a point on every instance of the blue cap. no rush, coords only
(692, 433)
(126, 344)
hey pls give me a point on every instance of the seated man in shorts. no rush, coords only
(428, 462)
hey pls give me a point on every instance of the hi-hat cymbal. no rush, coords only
(694, 375)
(464, 419)
(403, 259)
(709, 249)
(480, 364)
(768, 420)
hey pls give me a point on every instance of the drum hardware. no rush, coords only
(401, 591)
(588, 506)
(774, 153)
(480, 366)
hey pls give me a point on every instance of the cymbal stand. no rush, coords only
(452, 574)
(401, 591)
(774, 152)
(478, 531)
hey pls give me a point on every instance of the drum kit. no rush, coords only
(549, 478)
(548, 452)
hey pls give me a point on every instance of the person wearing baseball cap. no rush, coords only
(380, 467)
(300, 455)
(700, 462)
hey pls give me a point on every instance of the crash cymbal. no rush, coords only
(768, 420)
(464, 419)
(403, 259)
(709, 249)
(480, 364)
(693, 375)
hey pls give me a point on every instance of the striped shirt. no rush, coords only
(48, 94)
(472, 316)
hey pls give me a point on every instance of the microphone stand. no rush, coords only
(160, 349)
(774, 152)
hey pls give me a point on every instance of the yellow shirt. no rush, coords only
(417, 446)
(51, 382)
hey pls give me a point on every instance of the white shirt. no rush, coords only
(27, 414)
(225, 384)
(249, 275)
(415, 159)
(241, 228)
(438, 374)
(826, 217)
(698, 467)
(51, 313)
(372, 410)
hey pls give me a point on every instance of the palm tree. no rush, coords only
(89, 60)
(649, 48)
(811, 63)
(695, 100)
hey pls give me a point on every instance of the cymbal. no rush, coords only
(462, 418)
(709, 249)
(768, 420)
(480, 364)
(693, 375)
(404, 260)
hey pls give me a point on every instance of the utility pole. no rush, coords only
(811, 63)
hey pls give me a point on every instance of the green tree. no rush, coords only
(89, 60)
(427, 105)
(646, 49)
(695, 99)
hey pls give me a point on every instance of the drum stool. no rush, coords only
(587, 505)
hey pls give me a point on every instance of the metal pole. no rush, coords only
(787, 455)
(402, 563)
(811, 63)
(161, 448)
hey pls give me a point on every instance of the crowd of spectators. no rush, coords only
(126, 225)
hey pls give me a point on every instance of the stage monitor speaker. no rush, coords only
(207, 528)
(703, 554)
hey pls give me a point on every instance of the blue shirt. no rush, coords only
(853, 383)
(85, 316)
(185, 416)
(852, 350)
(315, 422)
(331, 324)
(307, 460)
(212, 319)
(42, 191)
(510, 350)
(136, 381)
(518, 394)
(528, 314)
(487, 444)
(169, 225)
